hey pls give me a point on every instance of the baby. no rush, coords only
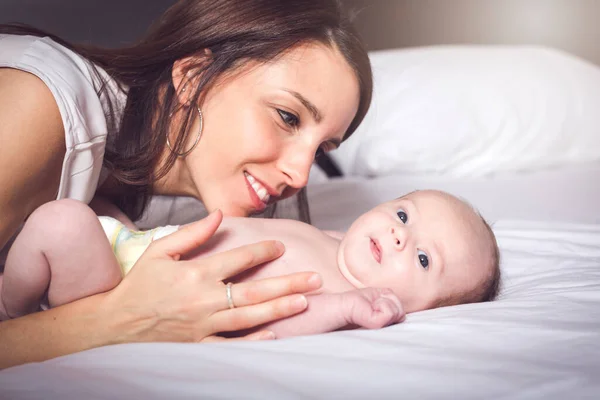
(424, 250)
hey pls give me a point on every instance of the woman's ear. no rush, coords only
(185, 76)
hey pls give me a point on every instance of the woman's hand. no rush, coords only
(165, 298)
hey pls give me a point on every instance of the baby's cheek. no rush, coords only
(397, 282)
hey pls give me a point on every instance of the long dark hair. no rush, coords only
(234, 31)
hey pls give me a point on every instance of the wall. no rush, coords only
(571, 25)
(103, 22)
(566, 24)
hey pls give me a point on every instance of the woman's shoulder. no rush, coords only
(75, 87)
(43, 57)
(29, 111)
(32, 148)
(74, 81)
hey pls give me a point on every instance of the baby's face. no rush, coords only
(424, 246)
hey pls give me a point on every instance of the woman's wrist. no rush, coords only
(87, 322)
(115, 323)
(127, 322)
(73, 327)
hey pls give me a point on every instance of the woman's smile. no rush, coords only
(261, 191)
(258, 194)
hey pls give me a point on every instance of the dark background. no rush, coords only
(571, 25)
(103, 22)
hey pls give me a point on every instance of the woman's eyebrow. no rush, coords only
(309, 106)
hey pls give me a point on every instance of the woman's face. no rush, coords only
(263, 126)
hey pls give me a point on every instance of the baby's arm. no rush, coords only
(370, 308)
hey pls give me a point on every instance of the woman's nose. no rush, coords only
(296, 168)
(399, 237)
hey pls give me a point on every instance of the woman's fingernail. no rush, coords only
(279, 246)
(315, 281)
(299, 302)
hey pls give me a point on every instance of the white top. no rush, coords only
(73, 83)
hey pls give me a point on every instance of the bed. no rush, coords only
(514, 131)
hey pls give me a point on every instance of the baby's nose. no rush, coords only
(399, 237)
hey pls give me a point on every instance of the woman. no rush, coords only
(226, 101)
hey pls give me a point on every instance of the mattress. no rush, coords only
(539, 340)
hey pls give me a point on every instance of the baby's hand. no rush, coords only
(372, 308)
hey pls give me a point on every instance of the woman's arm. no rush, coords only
(188, 301)
(32, 148)
(63, 330)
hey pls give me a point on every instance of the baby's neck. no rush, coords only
(334, 280)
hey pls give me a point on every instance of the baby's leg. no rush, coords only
(63, 250)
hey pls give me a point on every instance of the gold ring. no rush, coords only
(229, 297)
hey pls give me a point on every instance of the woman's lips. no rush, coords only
(258, 204)
(376, 250)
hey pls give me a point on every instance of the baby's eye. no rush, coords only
(423, 259)
(288, 118)
(402, 215)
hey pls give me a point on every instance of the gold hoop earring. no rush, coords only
(185, 153)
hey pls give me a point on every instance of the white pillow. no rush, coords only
(475, 110)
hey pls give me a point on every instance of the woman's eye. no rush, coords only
(288, 118)
(423, 259)
(402, 215)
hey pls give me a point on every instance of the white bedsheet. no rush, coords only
(540, 340)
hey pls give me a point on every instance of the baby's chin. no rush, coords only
(343, 268)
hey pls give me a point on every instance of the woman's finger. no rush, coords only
(232, 262)
(251, 316)
(254, 292)
(261, 335)
(188, 237)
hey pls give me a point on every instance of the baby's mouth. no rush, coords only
(376, 250)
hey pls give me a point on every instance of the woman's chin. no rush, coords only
(234, 211)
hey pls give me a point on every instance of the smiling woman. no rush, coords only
(263, 127)
(225, 101)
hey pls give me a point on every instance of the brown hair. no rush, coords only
(234, 31)
(489, 289)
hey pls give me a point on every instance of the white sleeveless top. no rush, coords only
(74, 85)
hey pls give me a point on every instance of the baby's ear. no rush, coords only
(335, 234)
